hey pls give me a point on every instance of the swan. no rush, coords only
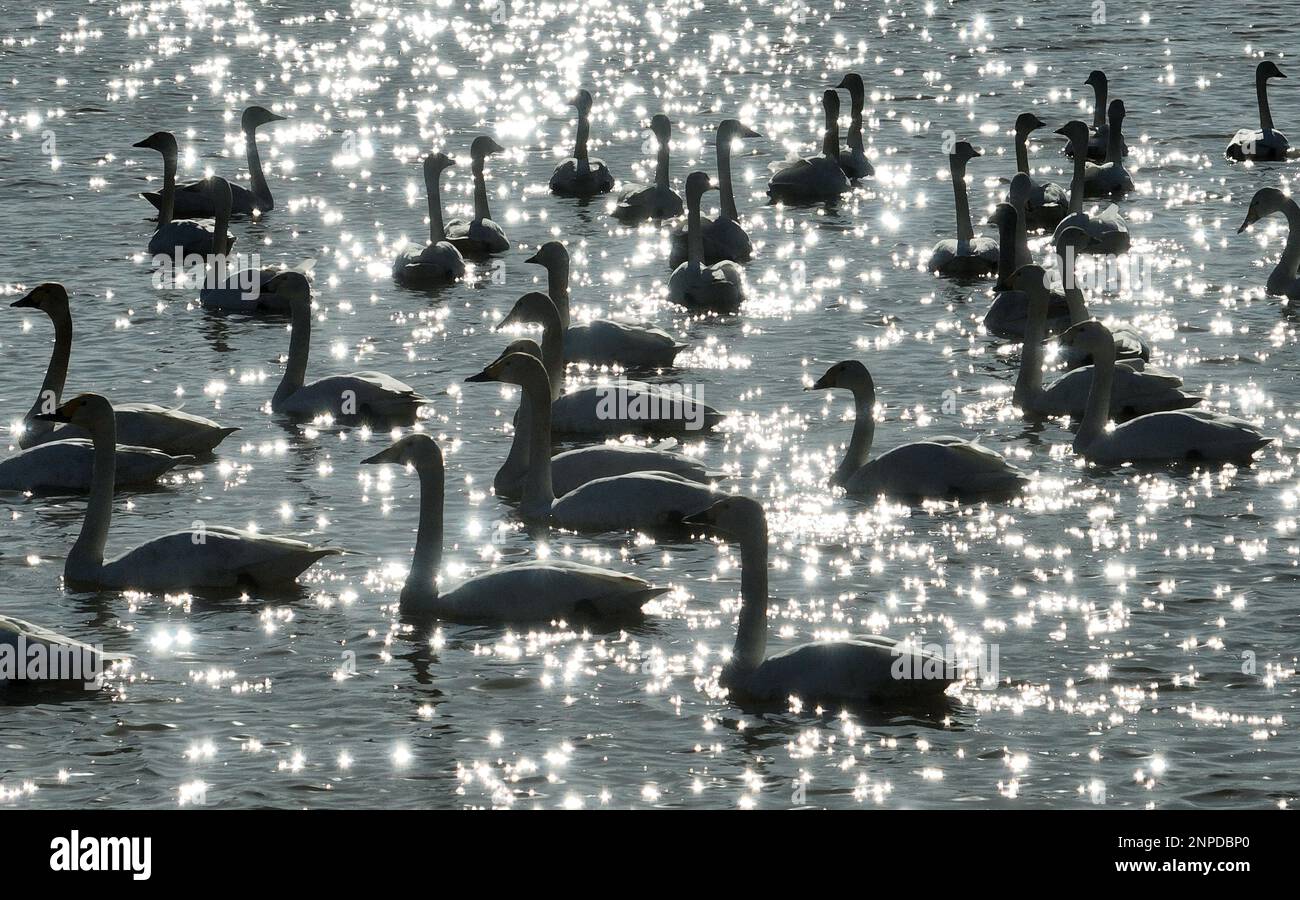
(360, 396)
(206, 556)
(1107, 232)
(853, 161)
(86, 666)
(1266, 144)
(479, 236)
(941, 468)
(601, 341)
(65, 467)
(1130, 346)
(180, 237)
(138, 424)
(1110, 179)
(1098, 137)
(1283, 280)
(1158, 437)
(656, 201)
(528, 592)
(724, 237)
(872, 669)
(719, 287)
(1048, 202)
(1133, 393)
(438, 262)
(1007, 315)
(640, 501)
(605, 409)
(581, 175)
(968, 256)
(814, 179)
(191, 200)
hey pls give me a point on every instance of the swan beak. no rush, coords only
(480, 377)
(387, 455)
(703, 517)
(750, 133)
(1251, 219)
(274, 118)
(506, 322)
(31, 302)
(1062, 132)
(821, 384)
(494, 147)
(534, 259)
(56, 416)
(144, 144)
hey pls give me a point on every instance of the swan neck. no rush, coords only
(295, 370)
(557, 287)
(1029, 380)
(433, 193)
(661, 166)
(1076, 181)
(1289, 263)
(751, 631)
(1074, 298)
(727, 206)
(694, 232)
(1102, 93)
(864, 434)
(1097, 413)
(87, 554)
(584, 133)
(854, 138)
(167, 208)
(1022, 152)
(423, 576)
(965, 232)
(831, 137)
(553, 352)
(1265, 114)
(515, 468)
(1006, 256)
(256, 177)
(1021, 236)
(56, 376)
(480, 192)
(538, 495)
(1115, 144)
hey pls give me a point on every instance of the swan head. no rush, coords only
(731, 129)
(697, 183)
(418, 450)
(256, 116)
(550, 254)
(1075, 132)
(533, 308)
(291, 285)
(662, 128)
(1265, 202)
(737, 516)
(1021, 187)
(1096, 80)
(437, 163)
(50, 298)
(1090, 337)
(1004, 217)
(1028, 122)
(850, 375)
(852, 82)
(85, 410)
(162, 141)
(1115, 113)
(1268, 69)
(964, 152)
(527, 346)
(518, 369)
(582, 101)
(483, 147)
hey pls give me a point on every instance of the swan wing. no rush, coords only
(67, 465)
(934, 470)
(1174, 436)
(641, 501)
(167, 429)
(545, 591)
(212, 557)
(574, 468)
(857, 670)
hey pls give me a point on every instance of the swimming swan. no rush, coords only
(581, 175)
(1266, 144)
(179, 237)
(871, 669)
(87, 665)
(853, 161)
(1107, 232)
(1008, 314)
(814, 179)
(719, 287)
(438, 262)
(138, 424)
(724, 237)
(939, 469)
(250, 291)
(640, 501)
(968, 256)
(657, 201)
(480, 236)
(529, 592)
(65, 466)
(1160, 437)
(207, 557)
(1098, 138)
(1283, 280)
(191, 201)
(1111, 178)
(1048, 202)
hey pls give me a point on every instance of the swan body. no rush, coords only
(207, 557)
(853, 160)
(1130, 346)
(177, 237)
(479, 236)
(274, 296)
(719, 287)
(438, 262)
(1111, 178)
(941, 468)
(65, 466)
(814, 179)
(1107, 232)
(86, 665)
(1284, 280)
(657, 201)
(1098, 136)
(724, 237)
(966, 256)
(870, 670)
(1266, 144)
(1047, 202)
(581, 175)
(1008, 314)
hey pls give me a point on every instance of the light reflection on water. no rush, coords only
(1121, 603)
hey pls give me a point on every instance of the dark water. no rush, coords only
(1124, 607)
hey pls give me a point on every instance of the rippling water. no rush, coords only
(1126, 608)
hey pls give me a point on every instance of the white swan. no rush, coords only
(940, 468)
(1266, 144)
(1130, 346)
(1133, 393)
(86, 665)
(438, 262)
(719, 287)
(581, 175)
(1194, 435)
(176, 237)
(853, 161)
(360, 396)
(479, 236)
(1283, 281)
(1047, 203)
(1008, 314)
(967, 256)
(602, 341)
(724, 237)
(206, 556)
(641, 501)
(657, 201)
(528, 592)
(1107, 232)
(814, 179)
(138, 424)
(872, 669)
(1098, 139)
(65, 467)
(192, 201)
(1111, 178)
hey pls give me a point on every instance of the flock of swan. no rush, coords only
(1126, 410)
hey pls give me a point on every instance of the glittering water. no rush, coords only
(1144, 623)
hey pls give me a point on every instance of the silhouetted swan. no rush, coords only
(657, 201)
(853, 161)
(173, 236)
(1266, 144)
(1283, 280)
(1048, 202)
(479, 236)
(1111, 178)
(192, 201)
(814, 179)
(1008, 314)
(265, 291)
(86, 665)
(1194, 435)
(1106, 232)
(438, 262)
(967, 256)
(1098, 137)
(719, 287)
(65, 466)
(138, 424)
(205, 556)
(724, 237)
(871, 669)
(938, 469)
(641, 501)
(529, 592)
(581, 175)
